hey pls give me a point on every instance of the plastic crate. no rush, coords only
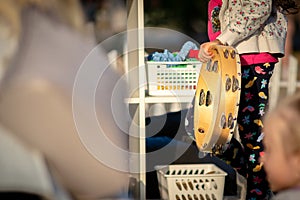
(191, 182)
(172, 78)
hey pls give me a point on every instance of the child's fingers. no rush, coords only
(204, 54)
(204, 58)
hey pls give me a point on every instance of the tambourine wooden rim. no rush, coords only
(217, 99)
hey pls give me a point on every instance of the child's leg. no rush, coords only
(253, 104)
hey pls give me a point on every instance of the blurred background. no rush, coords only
(188, 16)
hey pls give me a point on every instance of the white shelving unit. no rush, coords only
(136, 76)
(137, 87)
(148, 99)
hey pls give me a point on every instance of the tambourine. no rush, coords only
(217, 100)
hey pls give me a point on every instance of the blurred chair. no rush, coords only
(277, 83)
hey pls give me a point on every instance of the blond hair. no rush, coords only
(288, 111)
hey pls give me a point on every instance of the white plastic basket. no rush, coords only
(191, 182)
(172, 78)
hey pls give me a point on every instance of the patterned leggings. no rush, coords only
(253, 105)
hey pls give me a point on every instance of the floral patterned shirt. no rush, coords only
(244, 25)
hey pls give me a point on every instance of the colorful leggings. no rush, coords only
(253, 105)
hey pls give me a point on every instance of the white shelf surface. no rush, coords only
(161, 99)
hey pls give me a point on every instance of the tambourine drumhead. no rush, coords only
(217, 99)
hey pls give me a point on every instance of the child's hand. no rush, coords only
(204, 53)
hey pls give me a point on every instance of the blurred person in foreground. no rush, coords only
(47, 44)
(281, 156)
